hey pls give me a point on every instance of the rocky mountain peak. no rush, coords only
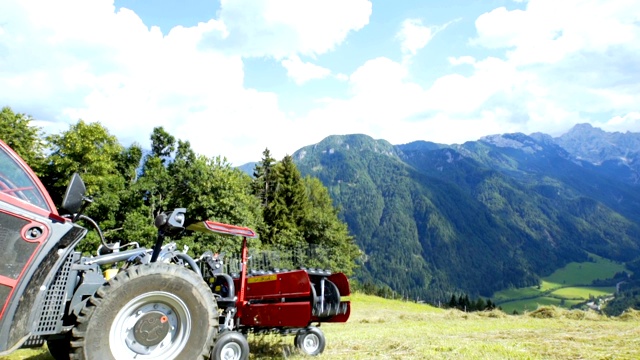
(516, 141)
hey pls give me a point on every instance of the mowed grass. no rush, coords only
(392, 329)
(570, 284)
(521, 306)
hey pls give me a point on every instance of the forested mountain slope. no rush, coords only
(476, 217)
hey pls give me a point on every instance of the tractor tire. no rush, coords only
(231, 345)
(310, 341)
(153, 311)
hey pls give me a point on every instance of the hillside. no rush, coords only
(479, 217)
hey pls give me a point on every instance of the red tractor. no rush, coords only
(130, 302)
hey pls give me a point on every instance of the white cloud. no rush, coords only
(74, 59)
(414, 36)
(549, 31)
(279, 28)
(626, 122)
(77, 59)
(552, 64)
(302, 72)
(557, 70)
(470, 60)
(578, 58)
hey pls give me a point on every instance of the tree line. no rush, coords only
(131, 185)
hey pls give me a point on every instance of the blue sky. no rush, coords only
(237, 76)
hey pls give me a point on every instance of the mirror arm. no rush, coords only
(77, 216)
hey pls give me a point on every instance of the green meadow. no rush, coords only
(393, 329)
(546, 329)
(566, 287)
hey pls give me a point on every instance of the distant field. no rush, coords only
(585, 273)
(571, 283)
(583, 292)
(392, 329)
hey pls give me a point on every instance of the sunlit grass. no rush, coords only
(521, 306)
(583, 292)
(391, 329)
(584, 273)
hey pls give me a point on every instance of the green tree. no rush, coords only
(262, 187)
(285, 213)
(211, 189)
(128, 162)
(90, 150)
(155, 181)
(162, 143)
(26, 140)
(490, 305)
(323, 227)
(453, 303)
(264, 178)
(174, 176)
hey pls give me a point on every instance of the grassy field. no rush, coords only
(565, 287)
(392, 329)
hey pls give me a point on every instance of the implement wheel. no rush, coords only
(155, 311)
(231, 345)
(310, 341)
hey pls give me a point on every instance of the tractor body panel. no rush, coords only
(276, 315)
(31, 235)
(292, 284)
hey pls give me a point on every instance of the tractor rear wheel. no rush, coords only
(155, 311)
(231, 345)
(310, 341)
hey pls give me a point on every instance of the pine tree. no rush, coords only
(264, 178)
(262, 187)
(323, 230)
(453, 303)
(286, 211)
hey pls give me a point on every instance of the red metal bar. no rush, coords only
(243, 277)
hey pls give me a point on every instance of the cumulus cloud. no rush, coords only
(561, 64)
(550, 31)
(581, 55)
(302, 72)
(278, 28)
(622, 123)
(462, 60)
(552, 64)
(73, 59)
(413, 36)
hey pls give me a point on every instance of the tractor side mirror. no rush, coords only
(74, 195)
(171, 220)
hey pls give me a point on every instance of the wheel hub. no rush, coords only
(151, 328)
(154, 325)
(231, 351)
(311, 343)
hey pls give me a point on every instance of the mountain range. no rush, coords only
(435, 219)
